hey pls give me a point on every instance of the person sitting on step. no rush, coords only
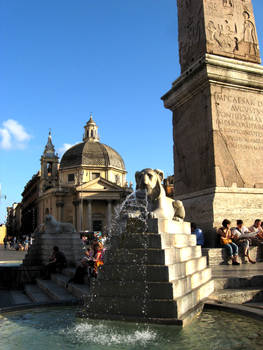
(81, 269)
(57, 260)
(241, 236)
(257, 228)
(226, 241)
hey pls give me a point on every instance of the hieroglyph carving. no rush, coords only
(221, 27)
(230, 28)
(191, 29)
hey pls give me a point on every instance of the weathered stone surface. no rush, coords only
(168, 226)
(222, 27)
(69, 243)
(217, 118)
(141, 283)
(217, 106)
(211, 206)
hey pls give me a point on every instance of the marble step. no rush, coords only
(238, 296)
(54, 291)
(36, 294)
(18, 297)
(186, 268)
(238, 282)
(153, 290)
(145, 307)
(132, 272)
(151, 273)
(153, 241)
(177, 240)
(217, 256)
(166, 256)
(182, 286)
(77, 290)
(194, 297)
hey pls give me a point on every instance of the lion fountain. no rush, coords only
(160, 206)
(150, 258)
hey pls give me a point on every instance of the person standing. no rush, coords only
(5, 242)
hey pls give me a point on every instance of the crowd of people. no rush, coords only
(241, 238)
(14, 243)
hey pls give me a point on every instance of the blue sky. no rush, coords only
(62, 59)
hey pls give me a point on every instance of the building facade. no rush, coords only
(86, 186)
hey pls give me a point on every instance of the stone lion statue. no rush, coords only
(53, 226)
(159, 205)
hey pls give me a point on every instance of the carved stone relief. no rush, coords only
(230, 29)
(221, 27)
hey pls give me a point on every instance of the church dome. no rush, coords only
(91, 152)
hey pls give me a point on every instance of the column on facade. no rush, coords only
(80, 215)
(75, 216)
(60, 211)
(109, 214)
(89, 216)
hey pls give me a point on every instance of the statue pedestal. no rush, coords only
(69, 243)
(155, 277)
(217, 109)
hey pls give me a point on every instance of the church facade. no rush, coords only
(85, 186)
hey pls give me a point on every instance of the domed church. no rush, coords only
(85, 186)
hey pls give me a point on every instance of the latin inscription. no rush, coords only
(240, 120)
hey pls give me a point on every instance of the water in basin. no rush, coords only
(59, 328)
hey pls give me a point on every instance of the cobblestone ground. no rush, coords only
(10, 254)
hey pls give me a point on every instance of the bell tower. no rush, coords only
(91, 131)
(49, 166)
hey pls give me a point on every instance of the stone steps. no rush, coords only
(160, 290)
(217, 256)
(238, 282)
(182, 269)
(77, 290)
(36, 294)
(238, 296)
(151, 273)
(18, 297)
(139, 306)
(168, 281)
(166, 256)
(54, 291)
(194, 297)
(155, 241)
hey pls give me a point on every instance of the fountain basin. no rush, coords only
(59, 328)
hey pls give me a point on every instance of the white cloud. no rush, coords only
(5, 142)
(13, 135)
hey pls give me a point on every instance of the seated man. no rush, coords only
(199, 234)
(256, 228)
(56, 261)
(241, 236)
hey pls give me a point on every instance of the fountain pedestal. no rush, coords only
(158, 277)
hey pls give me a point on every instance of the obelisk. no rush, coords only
(217, 106)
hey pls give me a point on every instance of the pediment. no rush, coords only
(99, 184)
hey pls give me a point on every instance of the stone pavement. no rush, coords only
(10, 254)
(243, 270)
